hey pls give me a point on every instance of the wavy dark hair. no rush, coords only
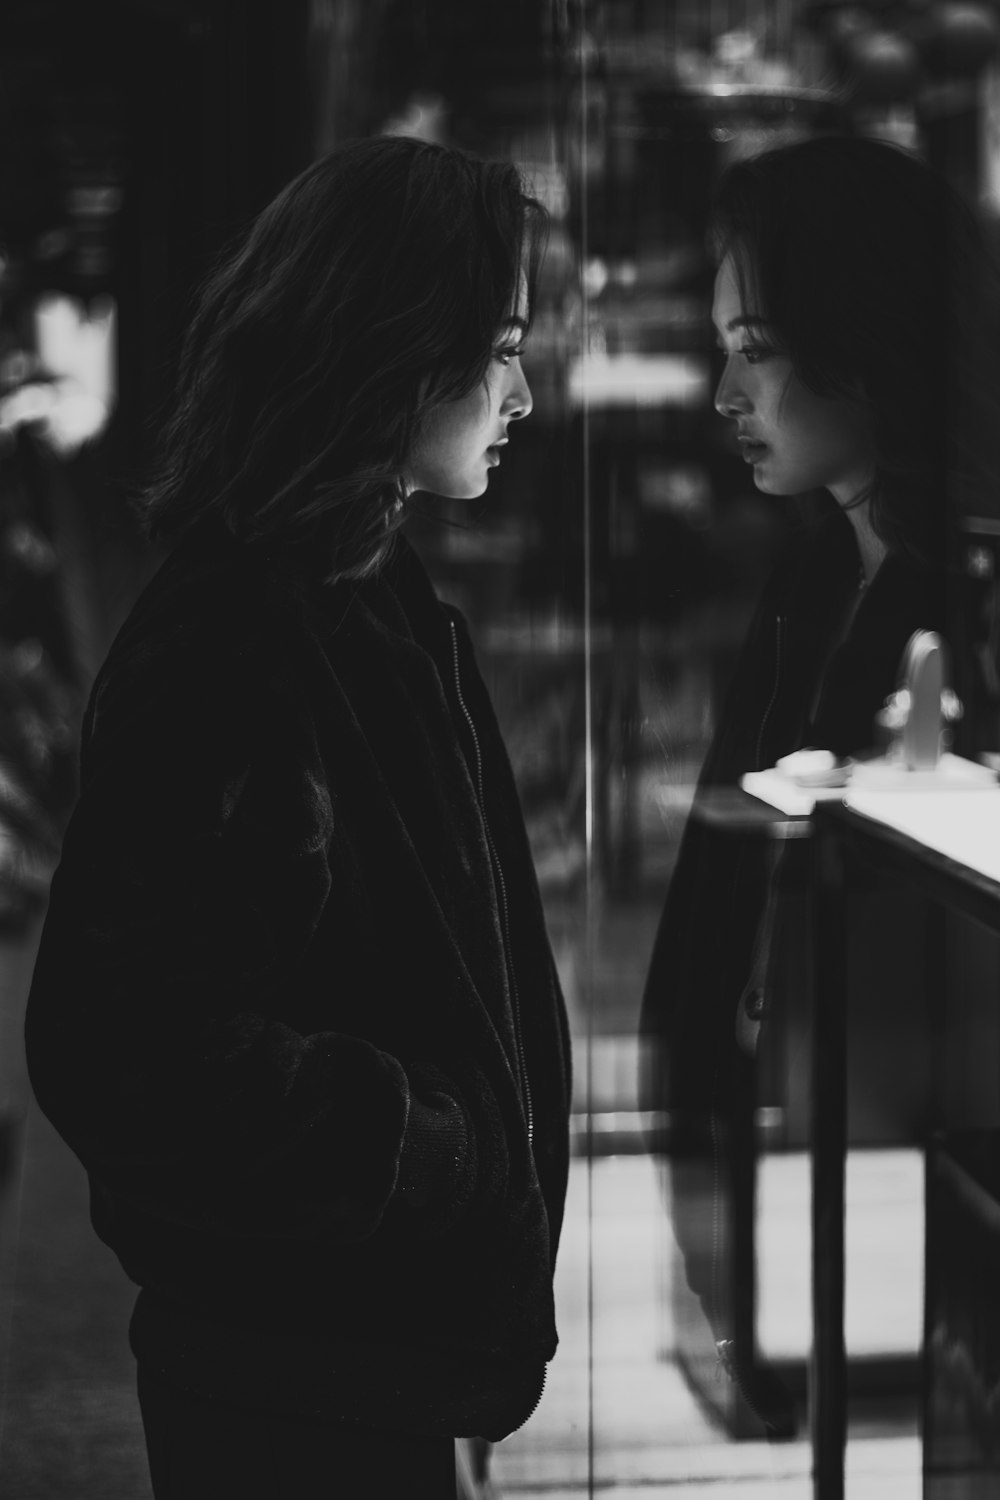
(369, 291)
(877, 283)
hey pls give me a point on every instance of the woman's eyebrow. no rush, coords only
(516, 322)
(746, 321)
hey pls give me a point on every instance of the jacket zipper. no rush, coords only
(779, 621)
(725, 1351)
(501, 893)
(725, 1348)
(714, 1117)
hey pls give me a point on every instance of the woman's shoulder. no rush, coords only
(210, 624)
(225, 617)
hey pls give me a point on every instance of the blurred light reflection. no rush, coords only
(602, 379)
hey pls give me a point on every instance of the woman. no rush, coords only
(847, 295)
(294, 1007)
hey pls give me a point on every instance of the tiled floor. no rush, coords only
(650, 1438)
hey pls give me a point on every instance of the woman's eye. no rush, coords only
(752, 353)
(505, 355)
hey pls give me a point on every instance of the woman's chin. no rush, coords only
(768, 484)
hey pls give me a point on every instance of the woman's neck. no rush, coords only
(871, 547)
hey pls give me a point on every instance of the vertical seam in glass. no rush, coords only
(588, 735)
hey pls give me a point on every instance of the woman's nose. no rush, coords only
(518, 402)
(730, 398)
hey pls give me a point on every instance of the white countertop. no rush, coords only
(963, 825)
(954, 810)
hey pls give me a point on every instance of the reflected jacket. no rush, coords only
(295, 1007)
(801, 680)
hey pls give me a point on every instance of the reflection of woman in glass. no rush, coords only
(847, 280)
(295, 1007)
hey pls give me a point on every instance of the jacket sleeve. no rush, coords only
(194, 873)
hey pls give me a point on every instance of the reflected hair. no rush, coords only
(372, 289)
(874, 279)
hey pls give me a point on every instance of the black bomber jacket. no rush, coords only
(800, 681)
(295, 1008)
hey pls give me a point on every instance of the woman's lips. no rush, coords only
(751, 451)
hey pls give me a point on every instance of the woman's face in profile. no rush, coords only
(795, 440)
(462, 440)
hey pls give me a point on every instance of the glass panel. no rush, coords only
(681, 544)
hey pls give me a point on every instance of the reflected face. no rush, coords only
(794, 440)
(463, 440)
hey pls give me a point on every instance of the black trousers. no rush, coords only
(203, 1450)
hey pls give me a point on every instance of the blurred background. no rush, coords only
(608, 574)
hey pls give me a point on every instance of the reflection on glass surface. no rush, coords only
(677, 545)
(634, 546)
